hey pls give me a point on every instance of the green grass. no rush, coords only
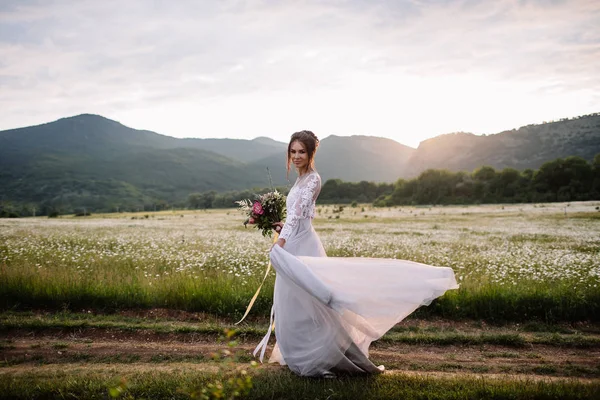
(220, 296)
(10, 321)
(497, 304)
(241, 358)
(114, 288)
(284, 385)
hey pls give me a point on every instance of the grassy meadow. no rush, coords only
(133, 305)
(514, 262)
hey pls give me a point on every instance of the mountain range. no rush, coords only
(89, 159)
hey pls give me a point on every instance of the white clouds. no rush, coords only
(407, 70)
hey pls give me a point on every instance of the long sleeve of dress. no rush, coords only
(302, 204)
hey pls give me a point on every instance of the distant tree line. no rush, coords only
(213, 199)
(568, 179)
(10, 209)
(334, 191)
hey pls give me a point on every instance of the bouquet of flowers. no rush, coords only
(264, 211)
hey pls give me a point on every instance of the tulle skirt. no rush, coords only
(328, 310)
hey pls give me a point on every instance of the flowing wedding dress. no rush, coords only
(328, 310)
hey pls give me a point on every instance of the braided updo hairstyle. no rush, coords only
(310, 142)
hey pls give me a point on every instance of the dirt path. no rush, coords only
(122, 351)
(128, 347)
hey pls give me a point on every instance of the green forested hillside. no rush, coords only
(237, 149)
(135, 180)
(91, 162)
(527, 147)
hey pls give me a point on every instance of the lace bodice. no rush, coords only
(300, 201)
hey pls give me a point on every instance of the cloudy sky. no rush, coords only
(405, 69)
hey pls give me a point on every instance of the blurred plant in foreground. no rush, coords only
(233, 380)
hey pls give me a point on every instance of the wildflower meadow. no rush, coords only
(513, 262)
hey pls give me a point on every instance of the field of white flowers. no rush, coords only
(541, 260)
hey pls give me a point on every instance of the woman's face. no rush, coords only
(299, 156)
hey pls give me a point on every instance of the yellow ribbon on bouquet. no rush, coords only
(275, 237)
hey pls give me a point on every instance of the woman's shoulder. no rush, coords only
(310, 180)
(314, 176)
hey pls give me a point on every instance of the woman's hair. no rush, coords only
(310, 142)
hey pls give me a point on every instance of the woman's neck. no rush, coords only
(307, 170)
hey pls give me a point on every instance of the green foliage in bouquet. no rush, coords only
(264, 211)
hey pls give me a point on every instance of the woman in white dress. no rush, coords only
(328, 310)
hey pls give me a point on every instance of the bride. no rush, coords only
(328, 310)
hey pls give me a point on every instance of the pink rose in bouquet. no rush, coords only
(263, 212)
(257, 208)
